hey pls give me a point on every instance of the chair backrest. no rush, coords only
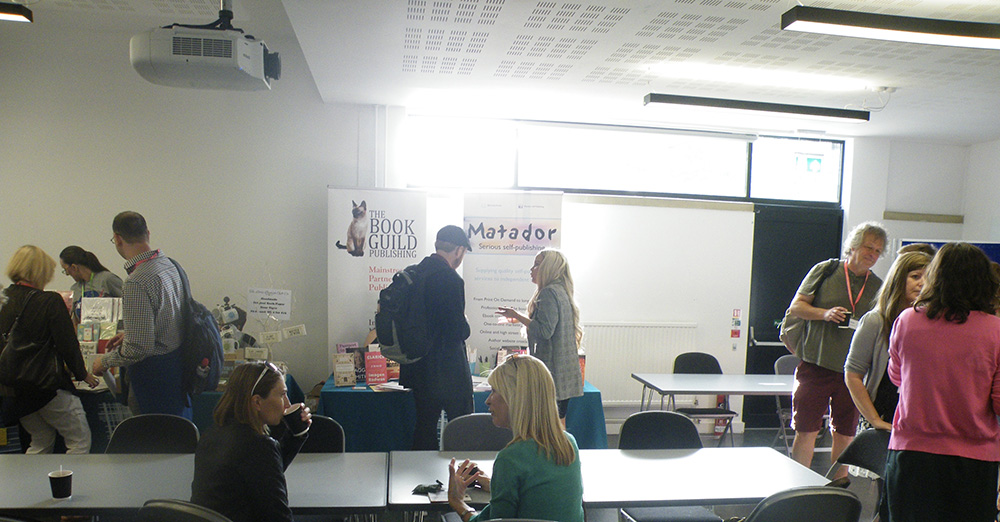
(154, 433)
(786, 364)
(812, 503)
(657, 429)
(325, 436)
(474, 432)
(170, 510)
(696, 362)
(868, 450)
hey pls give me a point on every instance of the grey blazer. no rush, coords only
(552, 339)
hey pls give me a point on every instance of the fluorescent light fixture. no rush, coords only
(15, 12)
(763, 77)
(823, 113)
(894, 28)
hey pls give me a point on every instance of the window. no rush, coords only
(629, 159)
(483, 153)
(796, 169)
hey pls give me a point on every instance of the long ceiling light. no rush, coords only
(823, 113)
(893, 28)
(15, 12)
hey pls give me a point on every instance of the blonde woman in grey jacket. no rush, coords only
(552, 324)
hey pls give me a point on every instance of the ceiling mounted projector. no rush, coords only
(213, 56)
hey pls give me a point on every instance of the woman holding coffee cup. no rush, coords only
(239, 466)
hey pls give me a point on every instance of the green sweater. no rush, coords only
(526, 484)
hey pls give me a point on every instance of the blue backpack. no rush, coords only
(201, 355)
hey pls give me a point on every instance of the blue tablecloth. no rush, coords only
(383, 421)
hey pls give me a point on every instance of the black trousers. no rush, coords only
(929, 487)
(429, 405)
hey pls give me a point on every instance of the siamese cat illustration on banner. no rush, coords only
(357, 231)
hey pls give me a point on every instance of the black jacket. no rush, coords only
(241, 473)
(45, 315)
(445, 370)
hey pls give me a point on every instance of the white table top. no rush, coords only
(725, 384)
(317, 482)
(407, 469)
(614, 478)
(705, 477)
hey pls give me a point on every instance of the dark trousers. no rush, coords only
(925, 487)
(429, 405)
(156, 383)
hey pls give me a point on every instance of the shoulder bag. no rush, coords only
(26, 363)
(792, 330)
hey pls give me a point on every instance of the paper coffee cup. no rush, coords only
(293, 419)
(62, 484)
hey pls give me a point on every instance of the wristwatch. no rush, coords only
(467, 513)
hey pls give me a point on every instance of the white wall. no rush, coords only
(903, 176)
(982, 220)
(233, 185)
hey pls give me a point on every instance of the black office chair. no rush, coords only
(656, 429)
(325, 436)
(699, 362)
(869, 450)
(812, 503)
(784, 365)
(474, 432)
(170, 510)
(154, 433)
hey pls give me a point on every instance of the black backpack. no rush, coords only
(201, 356)
(401, 319)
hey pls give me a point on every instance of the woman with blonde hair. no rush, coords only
(864, 372)
(537, 475)
(239, 466)
(553, 324)
(44, 409)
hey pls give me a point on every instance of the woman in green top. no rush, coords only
(538, 474)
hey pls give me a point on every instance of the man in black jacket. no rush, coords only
(441, 380)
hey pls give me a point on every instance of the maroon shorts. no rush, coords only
(816, 390)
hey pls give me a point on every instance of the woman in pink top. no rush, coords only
(944, 354)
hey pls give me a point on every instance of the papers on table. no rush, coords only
(389, 386)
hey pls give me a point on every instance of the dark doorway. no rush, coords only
(787, 242)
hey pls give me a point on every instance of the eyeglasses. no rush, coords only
(112, 240)
(267, 366)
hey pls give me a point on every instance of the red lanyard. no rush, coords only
(850, 297)
(157, 253)
(29, 285)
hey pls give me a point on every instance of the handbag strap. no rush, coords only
(19, 314)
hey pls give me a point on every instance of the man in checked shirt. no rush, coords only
(151, 308)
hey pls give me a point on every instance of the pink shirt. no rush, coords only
(949, 385)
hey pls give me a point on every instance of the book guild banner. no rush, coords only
(506, 231)
(371, 234)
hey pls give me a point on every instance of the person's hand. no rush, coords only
(92, 380)
(511, 314)
(460, 478)
(98, 368)
(837, 314)
(306, 415)
(115, 341)
(880, 424)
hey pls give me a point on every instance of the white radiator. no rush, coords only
(617, 350)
